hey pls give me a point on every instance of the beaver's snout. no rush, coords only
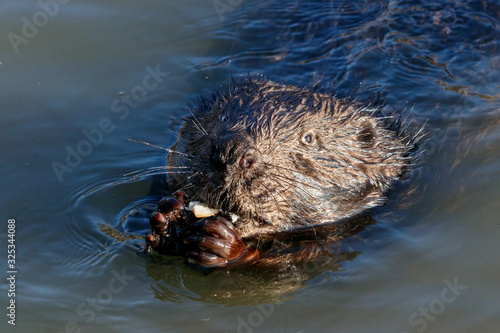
(234, 150)
(249, 160)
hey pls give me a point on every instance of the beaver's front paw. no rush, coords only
(214, 242)
(168, 225)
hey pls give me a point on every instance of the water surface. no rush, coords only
(95, 73)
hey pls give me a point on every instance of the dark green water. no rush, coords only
(77, 78)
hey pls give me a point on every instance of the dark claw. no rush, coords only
(168, 204)
(152, 240)
(158, 223)
(217, 246)
(157, 219)
(216, 236)
(217, 226)
(206, 259)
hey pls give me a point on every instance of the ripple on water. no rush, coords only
(89, 253)
(94, 232)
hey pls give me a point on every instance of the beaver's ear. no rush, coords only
(367, 134)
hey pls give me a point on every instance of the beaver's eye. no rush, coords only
(308, 138)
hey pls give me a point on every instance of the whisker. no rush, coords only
(159, 147)
(154, 169)
(153, 173)
(272, 194)
(293, 184)
(197, 123)
(132, 153)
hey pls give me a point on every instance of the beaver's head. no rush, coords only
(284, 157)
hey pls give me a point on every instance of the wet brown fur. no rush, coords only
(282, 157)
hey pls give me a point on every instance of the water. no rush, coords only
(91, 74)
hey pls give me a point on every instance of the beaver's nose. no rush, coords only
(234, 150)
(249, 159)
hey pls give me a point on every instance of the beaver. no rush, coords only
(280, 158)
